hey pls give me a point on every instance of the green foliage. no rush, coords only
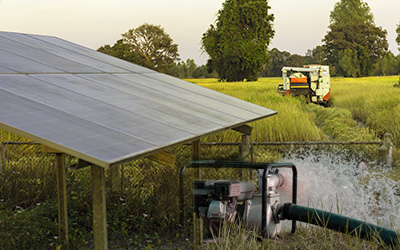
(187, 70)
(387, 66)
(352, 28)
(348, 61)
(184, 69)
(121, 50)
(279, 59)
(33, 228)
(398, 35)
(295, 61)
(237, 45)
(315, 56)
(148, 45)
(276, 63)
(202, 72)
(154, 46)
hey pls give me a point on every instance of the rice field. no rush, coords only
(363, 109)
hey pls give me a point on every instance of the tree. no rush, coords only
(398, 43)
(153, 45)
(121, 50)
(148, 45)
(280, 59)
(387, 65)
(186, 69)
(295, 61)
(348, 62)
(315, 56)
(237, 44)
(276, 62)
(202, 72)
(352, 27)
(398, 35)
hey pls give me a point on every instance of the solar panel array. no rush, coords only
(102, 109)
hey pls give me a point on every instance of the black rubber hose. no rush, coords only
(339, 223)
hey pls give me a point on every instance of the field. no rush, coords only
(366, 107)
(363, 110)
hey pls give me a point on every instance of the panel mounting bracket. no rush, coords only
(163, 158)
(244, 129)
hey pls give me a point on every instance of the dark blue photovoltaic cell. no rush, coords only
(102, 109)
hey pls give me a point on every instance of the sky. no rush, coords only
(299, 25)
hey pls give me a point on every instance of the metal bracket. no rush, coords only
(81, 164)
(164, 158)
(244, 129)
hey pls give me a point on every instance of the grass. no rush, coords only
(363, 109)
(373, 101)
(306, 237)
(293, 122)
(146, 211)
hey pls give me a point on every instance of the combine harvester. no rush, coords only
(311, 81)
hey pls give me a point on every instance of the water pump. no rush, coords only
(216, 201)
(259, 207)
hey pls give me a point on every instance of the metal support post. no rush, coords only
(245, 153)
(3, 149)
(245, 150)
(62, 199)
(387, 141)
(99, 208)
(115, 179)
(197, 222)
(386, 149)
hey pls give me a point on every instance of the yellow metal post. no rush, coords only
(99, 208)
(246, 155)
(245, 150)
(198, 223)
(115, 179)
(62, 199)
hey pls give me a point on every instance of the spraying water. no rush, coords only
(336, 184)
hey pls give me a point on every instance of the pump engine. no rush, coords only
(216, 201)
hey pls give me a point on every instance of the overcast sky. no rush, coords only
(299, 25)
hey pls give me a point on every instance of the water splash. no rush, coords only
(329, 182)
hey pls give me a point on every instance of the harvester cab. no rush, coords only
(311, 81)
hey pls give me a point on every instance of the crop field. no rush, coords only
(140, 216)
(366, 107)
(363, 109)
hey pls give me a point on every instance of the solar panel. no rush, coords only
(102, 109)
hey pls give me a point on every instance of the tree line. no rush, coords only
(237, 45)
(388, 64)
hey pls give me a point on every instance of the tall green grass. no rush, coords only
(306, 237)
(373, 101)
(364, 109)
(292, 123)
(339, 124)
